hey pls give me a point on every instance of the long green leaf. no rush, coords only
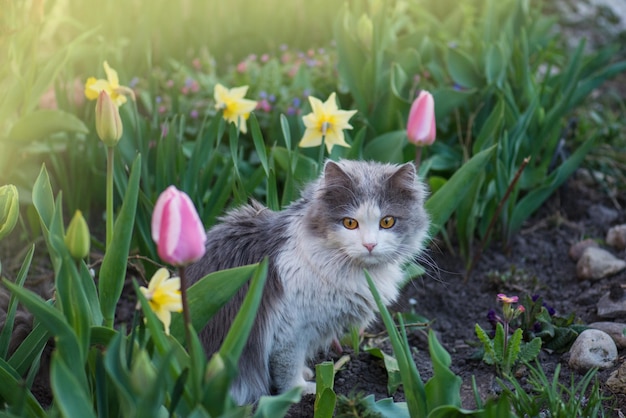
(442, 204)
(238, 334)
(69, 392)
(66, 341)
(533, 200)
(208, 295)
(12, 391)
(413, 384)
(113, 270)
(7, 329)
(30, 349)
(42, 123)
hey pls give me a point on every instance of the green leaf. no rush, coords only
(43, 198)
(113, 271)
(69, 392)
(394, 378)
(259, 144)
(66, 341)
(30, 349)
(208, 295)
(442, 204)
(463, 70)
(7, 329)
(325, 397)
(495, 65)
(513, 347)
(387, 147)
(14, 394)
(411, 380)
(534, 198)
(489, 356)
(447, 99)
(444, 388)
(277, 406)
(237, 336)
(530, 350)
(42, 123)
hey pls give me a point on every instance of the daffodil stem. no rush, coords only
(109, 196)
(320, 158)
(186, 314)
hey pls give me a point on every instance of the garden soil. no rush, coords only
(453, 304)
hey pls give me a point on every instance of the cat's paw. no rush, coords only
(307, 373)
(308, 388)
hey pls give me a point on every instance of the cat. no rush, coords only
(358, 215)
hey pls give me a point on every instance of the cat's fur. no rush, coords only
(316, 288)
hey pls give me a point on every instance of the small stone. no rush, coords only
(602, 214)
(617, 380)
(616, 237)
(608, 308)
(614, 329)
(593, 348)
(576, 250)
(596, 263)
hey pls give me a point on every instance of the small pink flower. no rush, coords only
(521, 309)
(421, 127)
(265, 58)
(242, 66)
(506, 299)
(196, 63)
(177, 229)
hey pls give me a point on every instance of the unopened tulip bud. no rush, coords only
(77, 237)
(9, 209)
(421, 127)
(364, 30)
(108, 121)
(177, 229)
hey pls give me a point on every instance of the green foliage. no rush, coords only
(506, 351)
(582, 399)
(557, 333)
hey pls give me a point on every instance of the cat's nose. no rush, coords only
(369, 246)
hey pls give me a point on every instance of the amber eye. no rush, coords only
(387, 222)
(350, 223)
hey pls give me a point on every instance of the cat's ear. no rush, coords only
(334, 174)
(404, 177)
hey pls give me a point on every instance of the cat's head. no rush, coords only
(370, 213)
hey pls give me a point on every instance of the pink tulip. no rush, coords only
(421, 127)
(177, 229)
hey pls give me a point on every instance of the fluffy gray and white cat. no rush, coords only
(357, 215)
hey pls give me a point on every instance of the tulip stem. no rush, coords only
(109, 196)
(418, 157)
(186, 314)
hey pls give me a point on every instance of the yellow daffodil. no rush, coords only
(163, 294)
(236, 109)
(111, 85)
(325, 121)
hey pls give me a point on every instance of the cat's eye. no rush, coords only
(387, 222)
(350, 223)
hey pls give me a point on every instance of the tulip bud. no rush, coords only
(142, 373)
(421, 127)
(364, 30)
(77, 237)
(177, 229)
(108, 121)
(9, 209)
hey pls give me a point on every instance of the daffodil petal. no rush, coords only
(111, 75)
(311, 138)
(238, 93)
(159, 277)
(220, 94)
(330, 105)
